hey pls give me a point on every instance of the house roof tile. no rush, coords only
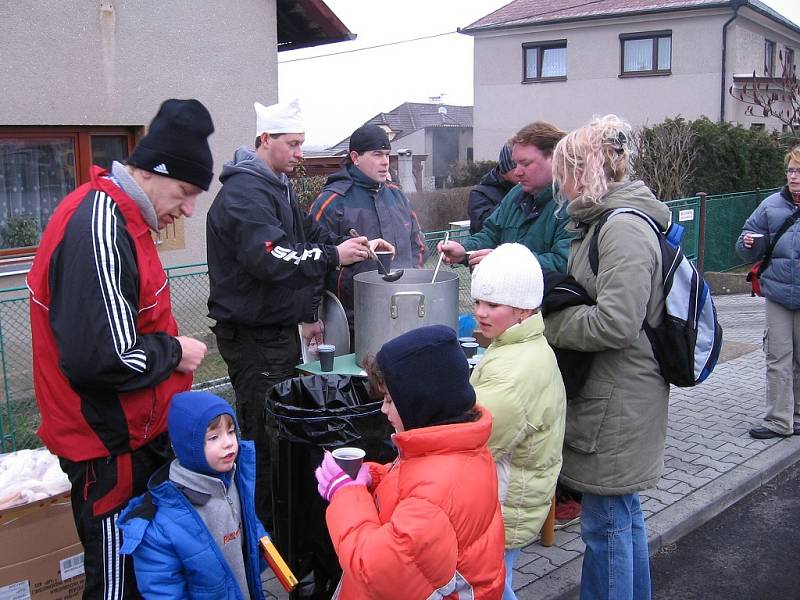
(535, 12)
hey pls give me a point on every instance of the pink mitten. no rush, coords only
(331, 478)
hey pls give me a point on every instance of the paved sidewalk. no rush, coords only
(710, 461)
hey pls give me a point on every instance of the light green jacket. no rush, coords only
(519, 382)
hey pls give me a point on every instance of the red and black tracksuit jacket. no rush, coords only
(102, 327)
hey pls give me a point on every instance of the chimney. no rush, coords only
(405, 170)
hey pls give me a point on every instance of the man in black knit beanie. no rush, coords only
(107, 354)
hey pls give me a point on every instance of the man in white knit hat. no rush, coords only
(267, 262)
(519, 382)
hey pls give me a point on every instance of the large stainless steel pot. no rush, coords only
(384, 310)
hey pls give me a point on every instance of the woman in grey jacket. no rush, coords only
(616, 425)
(782, 292)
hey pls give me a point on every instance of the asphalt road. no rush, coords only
(749, 552)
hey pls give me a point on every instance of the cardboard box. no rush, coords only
(40, 554)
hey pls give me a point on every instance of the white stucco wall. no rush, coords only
(593, 86)
(413, 141)
(86, 62)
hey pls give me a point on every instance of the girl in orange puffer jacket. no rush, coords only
(428, 525)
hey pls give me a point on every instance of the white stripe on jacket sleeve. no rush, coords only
(121, 319)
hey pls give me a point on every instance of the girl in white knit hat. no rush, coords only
(519, 382)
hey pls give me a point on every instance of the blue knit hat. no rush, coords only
(187, 421)
(427, 375)
(505, 162)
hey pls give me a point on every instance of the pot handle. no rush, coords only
(420, 307)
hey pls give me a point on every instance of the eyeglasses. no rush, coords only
(790, 172)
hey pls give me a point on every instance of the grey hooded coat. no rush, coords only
(616, 425)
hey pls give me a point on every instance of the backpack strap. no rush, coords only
(594, 255)
(790, 220)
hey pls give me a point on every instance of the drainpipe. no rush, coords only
(736, 4)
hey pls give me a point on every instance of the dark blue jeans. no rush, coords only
(616, 565)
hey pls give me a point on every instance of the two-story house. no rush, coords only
(563, 61)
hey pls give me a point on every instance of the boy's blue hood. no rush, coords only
(187, 421)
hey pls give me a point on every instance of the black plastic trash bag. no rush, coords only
(327, 411)
(305, 416)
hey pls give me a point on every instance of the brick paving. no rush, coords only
(709, 462)
(707, 450)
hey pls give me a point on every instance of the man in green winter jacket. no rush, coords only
(527, 215)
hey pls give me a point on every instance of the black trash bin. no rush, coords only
(303, 417)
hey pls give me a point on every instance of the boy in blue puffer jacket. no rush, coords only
(195, 533)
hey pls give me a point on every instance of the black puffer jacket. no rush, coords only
(485, 197)
(267, 260)
(351, 200)
(561, 291)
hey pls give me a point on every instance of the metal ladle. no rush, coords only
(441, 254)
(389, 276)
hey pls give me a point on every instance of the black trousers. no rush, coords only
(100, 490)
(257, 359)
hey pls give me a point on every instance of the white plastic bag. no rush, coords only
(30, 475)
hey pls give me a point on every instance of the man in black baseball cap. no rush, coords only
(107, 357)
(368, 137)
(361, 196)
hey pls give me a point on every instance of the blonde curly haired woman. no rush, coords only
(616, 425)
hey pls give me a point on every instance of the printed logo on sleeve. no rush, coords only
(290, 255)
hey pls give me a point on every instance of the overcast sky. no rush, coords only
(339, 92)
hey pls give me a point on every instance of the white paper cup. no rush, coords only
(349, 459)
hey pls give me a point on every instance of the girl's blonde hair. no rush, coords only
(594, 155)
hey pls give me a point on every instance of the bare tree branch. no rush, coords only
(664, 157)
(777, 97)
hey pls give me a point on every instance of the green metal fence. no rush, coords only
(686, 212)
(725, 215)
(19, 416)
